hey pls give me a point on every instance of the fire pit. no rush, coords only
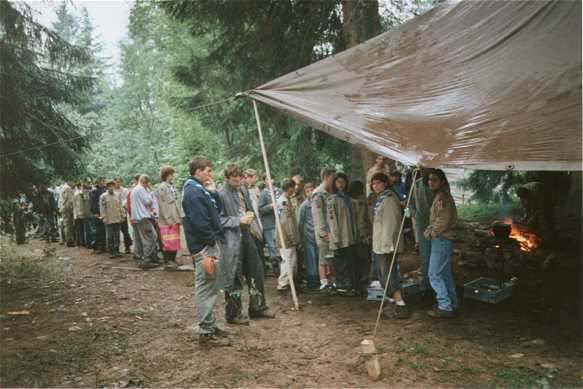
(508, 245)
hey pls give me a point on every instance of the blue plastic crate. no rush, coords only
(487, 290)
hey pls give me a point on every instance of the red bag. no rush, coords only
(170, 237)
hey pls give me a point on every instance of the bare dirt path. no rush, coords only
(96, 322)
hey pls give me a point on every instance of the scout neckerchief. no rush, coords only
(381, 197)
(199, 186)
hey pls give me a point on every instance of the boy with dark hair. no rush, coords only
(342, 234)
(240, 256)
(290, 236)
(386, 222)
(308, 239)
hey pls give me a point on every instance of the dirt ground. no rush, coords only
(90, 321)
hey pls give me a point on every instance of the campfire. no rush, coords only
(527, 239)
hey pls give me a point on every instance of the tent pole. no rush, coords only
(273, 202)
(394, 256)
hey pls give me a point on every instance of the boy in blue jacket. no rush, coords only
(203, 232)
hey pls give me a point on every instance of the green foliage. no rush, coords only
(39, 74)
(485, 211)
(491, 185)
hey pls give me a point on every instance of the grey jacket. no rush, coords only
(266, 208)
(306, 222)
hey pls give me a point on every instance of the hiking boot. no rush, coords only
(240, 320)
(265, 314)
(212, 340)
(440, 313)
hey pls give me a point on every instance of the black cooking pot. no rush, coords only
(501, 230)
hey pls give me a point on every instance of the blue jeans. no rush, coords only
(424, 251)
(269, 236)
(311, 264)
(440, 274)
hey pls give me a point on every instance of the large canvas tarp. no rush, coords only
(476, 84)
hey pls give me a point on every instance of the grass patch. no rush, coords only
(21, 272)
(513, 377)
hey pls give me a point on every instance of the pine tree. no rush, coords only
(37, 76)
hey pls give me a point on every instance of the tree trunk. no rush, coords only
(361, 21)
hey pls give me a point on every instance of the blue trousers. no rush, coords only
(440, 274)
(269, 236)
(311, 264)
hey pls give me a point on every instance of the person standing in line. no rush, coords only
(142, 219)
(79, 216)
(290, 235)
(321, 228)
(111, 213)
(440, 231)
(386, 225)
(362, 249)
(66, 210)
(169, 217)
(204, 236)
(308, 239)
(128, 206)
(268, 221)
(240, 255)
(420, 211)
(122, 192)
(99, 245)
(342, 235)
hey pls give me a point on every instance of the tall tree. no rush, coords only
(246, 44)
(38, 74)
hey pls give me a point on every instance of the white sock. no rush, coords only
(323, 281)
(401, 303)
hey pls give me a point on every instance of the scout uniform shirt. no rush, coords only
(386, 223)
(340, 218)
(321, 229)
(288, 222)
(110, 208)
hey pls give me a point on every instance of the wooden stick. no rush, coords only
(394, 256)
(290, 272)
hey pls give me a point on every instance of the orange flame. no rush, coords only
(528, 240)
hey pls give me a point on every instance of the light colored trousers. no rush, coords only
(289, 266)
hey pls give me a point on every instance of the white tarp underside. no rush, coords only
(476, 84)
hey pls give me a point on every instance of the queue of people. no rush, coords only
(339, 235)
(335, 238)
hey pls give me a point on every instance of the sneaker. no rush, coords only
(375, 285)
(212, 340)
(240, 320)
(440, 313)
